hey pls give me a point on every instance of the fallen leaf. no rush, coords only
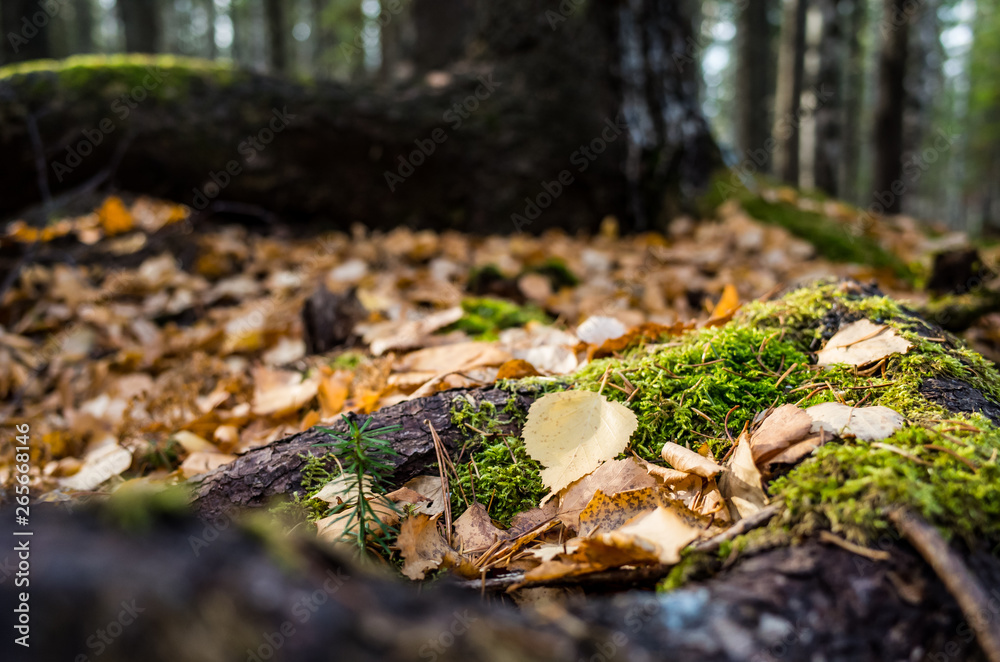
(411, 333)
(783, 427)
(114, 217)
(278, 392)
(99, 465)
(728, 303)
(452, 358)
(516, 369)
(474, 530)
(861, 343)
(611, 478)
(663, 527)
(598, 329)
(430, 487)
(865, 423)
(421, 545)
(741, 482)
(683, 459)
(572, 432)
(606, 513)
(332, 392)
(201, 462)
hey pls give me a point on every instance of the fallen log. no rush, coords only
(256, 477)
(101, 589)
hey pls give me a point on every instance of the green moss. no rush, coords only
(849, 487)
(832, 240)
(348, 360)
(687, 388)
(484, 317)
(493, 469)
(557, 272)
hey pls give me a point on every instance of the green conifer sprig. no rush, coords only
(362, 455)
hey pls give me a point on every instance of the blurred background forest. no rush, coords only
(888, 92)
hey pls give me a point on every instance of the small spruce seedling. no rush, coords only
(361, 452)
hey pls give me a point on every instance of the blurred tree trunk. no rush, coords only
(24, 29)
(83, 22)
(141, 24)
(276, 35)
(789, 92)
(444, 28)
(321, 37)
(536, 133)
(753, 90)
(210, 13)
(829, 114)
(854, 91)
(888, 138)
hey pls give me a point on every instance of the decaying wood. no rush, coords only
(261, 474)
(176, 588)
(952, 570)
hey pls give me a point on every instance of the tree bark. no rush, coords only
(535, 137)
(262, 474)
(788, 97)
(753, 82)
(141, 24)
(24, 31)
(829, 115)
(888, 138)
(276, 35)
(176, 588)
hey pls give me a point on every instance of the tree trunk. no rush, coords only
(788, 96)
(83, 14)
(535, 137)
(829, 115)
(276, 35)
(443, 31)
(888, 137)
(754, 94)
(24, 30)
(141, 24)
(854, 89)
(210, 13)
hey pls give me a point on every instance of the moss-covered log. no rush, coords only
(535, 126)
(262, 474)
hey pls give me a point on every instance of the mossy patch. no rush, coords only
(485, 317)
(835, 240)
(688, 385)
(494, 469)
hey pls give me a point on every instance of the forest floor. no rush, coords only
(144, 347)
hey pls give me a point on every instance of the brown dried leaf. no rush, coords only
(862, 343)
(688, 461)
